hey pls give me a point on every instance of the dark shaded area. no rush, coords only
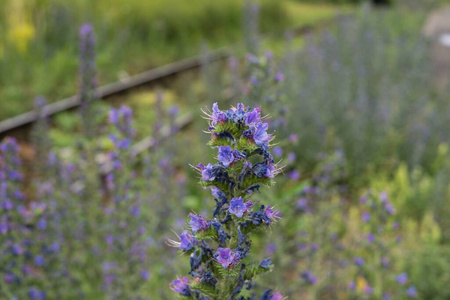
(381, 2)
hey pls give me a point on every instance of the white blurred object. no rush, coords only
(444, 39)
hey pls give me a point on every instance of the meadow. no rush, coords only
(351, 178)
(40, 37)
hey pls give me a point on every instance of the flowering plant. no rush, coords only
(219, 247)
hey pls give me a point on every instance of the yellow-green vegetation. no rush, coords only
(305, 14)
(37, 36)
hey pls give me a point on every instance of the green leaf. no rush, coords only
(255, 270)
(204, 288)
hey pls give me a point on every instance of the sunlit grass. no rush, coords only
(306, 14)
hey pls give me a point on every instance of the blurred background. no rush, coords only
(100, 117)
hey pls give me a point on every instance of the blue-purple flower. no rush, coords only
(234, 133)
(270, 213)
(207, 172)
(39, 260)
(271, 295)
(238, 207)
(277, 151)
(260, 135)
(217, 115)
(226, 257)
(359, 261)
(36, 294)
(197, 222)
(145, 275)
(253, 117)
(365, 217)
(187, 241)
(411, 292)
(385, 262)
(217, 193)
(279, 77)
(309, 277)
(402, 279)
(181, 286)
(225, 155)
(266, 263)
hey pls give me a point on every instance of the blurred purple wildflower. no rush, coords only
(411, 292)
(402, 279)
(359, 261)
(309, 277)
(365, 217)
(277, 151)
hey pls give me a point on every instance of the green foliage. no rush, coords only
(252, 271)
(430, 271)
(41, 37)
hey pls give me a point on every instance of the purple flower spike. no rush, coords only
(225, 156)
(197, 223)
(363, 199)
(17, 249)
(279, 77)
(368, 289)
(187, 241)
(260, 135)
(181, 285)
(294, 175)
(86, 29)
(39, 260)
(293, 138)
(9, 278)
(238, 207)
(113, 116)
(359, 261)
(390, 208)
(36, 294)
(207, 173)
(226, 257)
(402, 279)
(385, 262)
(291, 157)
(365, 217)
(145, 275)
(371, 238)
(309, 277)
(411, 292)
(277, 151)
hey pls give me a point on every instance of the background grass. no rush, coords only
(38, 38)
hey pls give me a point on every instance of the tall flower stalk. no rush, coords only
(88, 78)
(219, 247)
